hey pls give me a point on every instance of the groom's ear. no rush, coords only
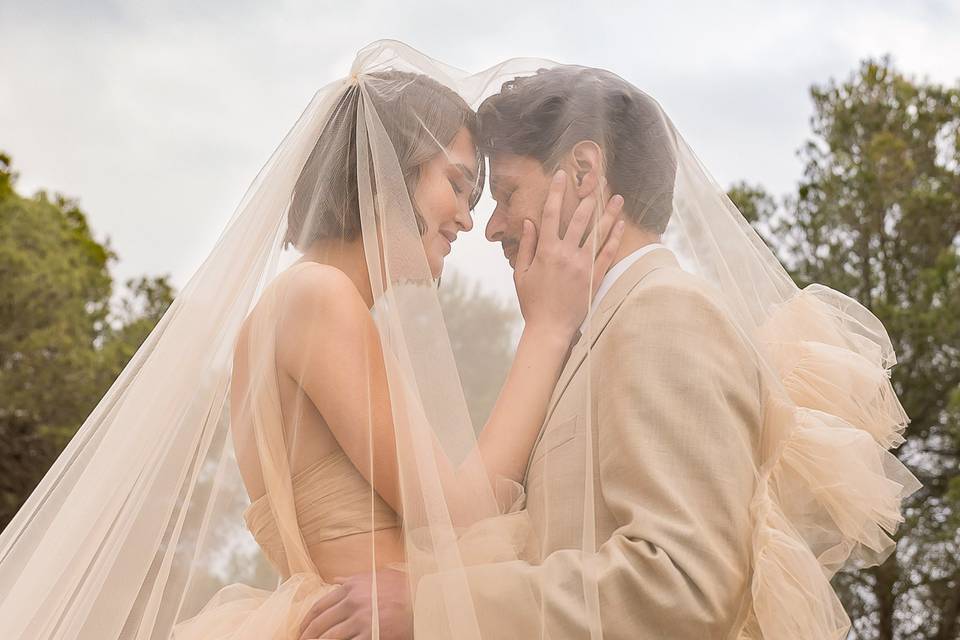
(587, 165)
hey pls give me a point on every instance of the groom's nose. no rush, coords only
(495, 226)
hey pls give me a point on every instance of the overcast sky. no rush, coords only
(157, 115)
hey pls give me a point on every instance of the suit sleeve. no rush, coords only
(677, 410)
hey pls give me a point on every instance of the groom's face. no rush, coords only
(519, 186)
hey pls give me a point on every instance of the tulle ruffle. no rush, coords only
(830, 492)
(241, 612)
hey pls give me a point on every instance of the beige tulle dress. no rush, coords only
(333, 500)
(327, 500)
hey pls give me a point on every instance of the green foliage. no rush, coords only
(759, 208)
(7, 176)
(61, 344)
(754, 202)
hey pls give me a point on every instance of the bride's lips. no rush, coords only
(450, 237)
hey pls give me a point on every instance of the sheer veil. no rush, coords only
(186, 493)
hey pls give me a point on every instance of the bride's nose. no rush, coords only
(464, 219)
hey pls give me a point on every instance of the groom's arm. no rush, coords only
(677, 410)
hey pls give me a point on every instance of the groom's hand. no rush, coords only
(348, 611)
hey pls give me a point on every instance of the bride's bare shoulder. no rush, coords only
(319, 296)
(315, 279)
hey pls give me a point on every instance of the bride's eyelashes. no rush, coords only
(459, 182)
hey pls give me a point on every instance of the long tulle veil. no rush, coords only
(140, 522)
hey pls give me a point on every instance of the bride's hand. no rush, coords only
(554, 274)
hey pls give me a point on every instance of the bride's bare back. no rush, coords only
(310, 440)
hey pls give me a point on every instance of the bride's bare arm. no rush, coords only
(328, 342)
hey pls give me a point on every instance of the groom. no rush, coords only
(670, 393)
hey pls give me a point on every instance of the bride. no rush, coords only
(309, 366)
(297, 418)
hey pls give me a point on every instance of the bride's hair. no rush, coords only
(420, 116)
(544, 115)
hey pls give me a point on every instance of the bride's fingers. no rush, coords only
(611, 215)
(578, 223)
(550, 221)
(528, 243)
(605, 257)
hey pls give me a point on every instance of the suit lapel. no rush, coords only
(598, 322)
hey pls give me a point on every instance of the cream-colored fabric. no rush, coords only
(613, 274)
(333, 500)
(242, 612)
(715, 450)
(676, 406)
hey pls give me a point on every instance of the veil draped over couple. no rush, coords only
(686, 444)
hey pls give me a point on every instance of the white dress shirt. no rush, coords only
(613, 273)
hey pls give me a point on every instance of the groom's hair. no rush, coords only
(544, 115)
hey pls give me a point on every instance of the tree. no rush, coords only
(877, 216)
(481, 329)
(61, 343)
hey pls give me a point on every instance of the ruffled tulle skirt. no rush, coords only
(241, 612)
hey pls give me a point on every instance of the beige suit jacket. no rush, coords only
(671, 396)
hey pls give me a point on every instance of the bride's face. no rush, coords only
(442, 197)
